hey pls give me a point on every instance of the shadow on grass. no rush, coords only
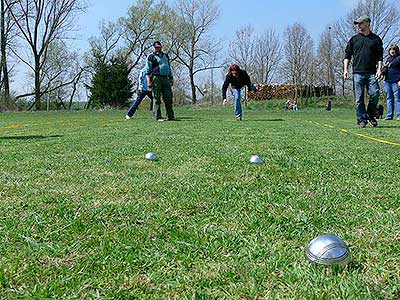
(355, 266)
(29, 137)
(389, 127)
(193, 119)
(187, 118)
(267, 120)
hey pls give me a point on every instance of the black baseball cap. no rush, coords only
(157, 44)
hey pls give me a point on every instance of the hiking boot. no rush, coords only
(373, 122)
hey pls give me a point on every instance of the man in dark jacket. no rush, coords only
(159, 77)
(366, 49)
(237, 78)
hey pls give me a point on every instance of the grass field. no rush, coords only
(201, 222)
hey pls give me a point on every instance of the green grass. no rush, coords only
(202, 222)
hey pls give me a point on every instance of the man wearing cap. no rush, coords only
(366, 49)
(159, 77)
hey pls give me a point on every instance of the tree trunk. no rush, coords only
(37, 83)
(193, 86)
(3, 46)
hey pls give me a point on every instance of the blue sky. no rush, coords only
(314, 14)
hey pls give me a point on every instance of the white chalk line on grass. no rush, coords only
(359, 134)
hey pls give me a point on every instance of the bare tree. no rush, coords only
(242, 48)
(342, 31)
(40, 23)
(267, 56)
(107, 44)
(60, 76)
(194, 47)
(258, 54)
(298, 49)
(325, 57)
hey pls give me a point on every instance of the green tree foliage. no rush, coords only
(111, 85)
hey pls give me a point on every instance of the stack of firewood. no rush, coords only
(288, 91)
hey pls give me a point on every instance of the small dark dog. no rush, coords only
(379, 111)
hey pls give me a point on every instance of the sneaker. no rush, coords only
(388, 119)
(128, 117)
(373, 122)
(171, 119)
(362, 124)
(160, 120)
(238, 118)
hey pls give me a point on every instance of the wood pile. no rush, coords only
(288, 91)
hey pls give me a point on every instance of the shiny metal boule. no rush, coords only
(328, 249)
(151, 156)
(255, 159)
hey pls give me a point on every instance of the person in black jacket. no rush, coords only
(237, 78)
(366, 49)
(392, 81)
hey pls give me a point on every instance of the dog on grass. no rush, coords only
(379, 111)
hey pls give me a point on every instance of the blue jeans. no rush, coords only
(360, 81)
(139, 98)
(238, 104)
(393, 96)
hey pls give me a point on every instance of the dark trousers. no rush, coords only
(140, 96)
(162, 88)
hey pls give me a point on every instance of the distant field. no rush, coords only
(84, 216)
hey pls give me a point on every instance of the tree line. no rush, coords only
(39, 34)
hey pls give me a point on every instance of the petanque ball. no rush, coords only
(328, 249)
(151, 156)
(255, 159)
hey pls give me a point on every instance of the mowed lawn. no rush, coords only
(84, 216)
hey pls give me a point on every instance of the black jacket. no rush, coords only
(366, 51)
(236, 83)
(393, 74)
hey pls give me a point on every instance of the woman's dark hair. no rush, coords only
(234, 67)
(395, 48)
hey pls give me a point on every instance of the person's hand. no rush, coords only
(224, 102)
(398, 84)
(149, 83)
(378, 74)
(346, 75)
(171, 82)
